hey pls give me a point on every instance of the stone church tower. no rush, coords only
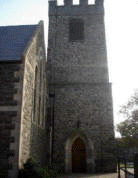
(81, 119)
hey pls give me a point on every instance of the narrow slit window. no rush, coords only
(35, 96)
(91, 2)
(76, 30)
(60, 2)
(76, 2)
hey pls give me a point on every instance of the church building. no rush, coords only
(57, 110)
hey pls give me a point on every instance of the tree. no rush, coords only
(129, 127)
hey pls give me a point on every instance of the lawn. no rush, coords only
(128, 165)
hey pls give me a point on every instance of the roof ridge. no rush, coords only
(18, 25)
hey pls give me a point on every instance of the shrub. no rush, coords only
(34, 170)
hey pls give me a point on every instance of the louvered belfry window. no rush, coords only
(76, 30)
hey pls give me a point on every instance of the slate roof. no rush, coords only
(13, 40)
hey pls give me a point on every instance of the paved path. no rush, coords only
(131, 170)
(113, 175)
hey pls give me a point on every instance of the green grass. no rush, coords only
(128, 165)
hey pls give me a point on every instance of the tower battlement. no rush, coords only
(75, 10)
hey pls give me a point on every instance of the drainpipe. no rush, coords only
(52, 104)
(50, 146)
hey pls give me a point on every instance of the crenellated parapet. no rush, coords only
(83, 8)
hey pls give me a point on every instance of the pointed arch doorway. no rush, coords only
(79, 150)
(78, 156)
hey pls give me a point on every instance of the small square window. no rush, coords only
(76, 30)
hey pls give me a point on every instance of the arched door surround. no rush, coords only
(79, 137)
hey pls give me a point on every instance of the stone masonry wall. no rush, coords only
(80, 61)
(33, 138)
(20, 134)
(11, 75)
(93, 109)
(78, 78)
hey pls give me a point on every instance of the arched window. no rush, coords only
(40, 114)
(43, 104)
(34, 97)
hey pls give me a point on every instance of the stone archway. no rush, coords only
(89, 152)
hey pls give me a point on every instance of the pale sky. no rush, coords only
(121, 23)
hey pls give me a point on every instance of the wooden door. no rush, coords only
(78, 156)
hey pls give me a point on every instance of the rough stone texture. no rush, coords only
(7, 80)
(9, 115)
(33, 138)
(75, 10)
(78, 61)
(21, 135)
(78, 78)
